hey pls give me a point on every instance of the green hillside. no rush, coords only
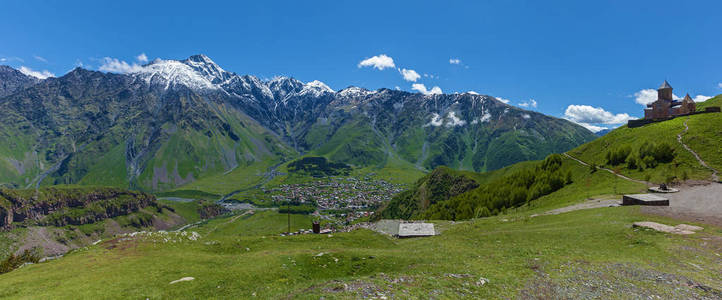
(592, 253)
(633, 144)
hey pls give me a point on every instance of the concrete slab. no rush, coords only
(679, 229)
(644, 199)
(416, 229)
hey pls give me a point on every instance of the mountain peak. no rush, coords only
(200, 58)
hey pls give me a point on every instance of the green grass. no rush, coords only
(705, 137)
(187, 210)
(239, 178)
(684, 162)
(241, 256)
(189, 194)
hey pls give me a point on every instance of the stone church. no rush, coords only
(666, 106)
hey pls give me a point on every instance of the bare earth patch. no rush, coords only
(693, 203)
(577, 280)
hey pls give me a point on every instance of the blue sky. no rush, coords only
(559, 53)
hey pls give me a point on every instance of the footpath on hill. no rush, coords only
(694, 203)
(609, 170)
(715, 173)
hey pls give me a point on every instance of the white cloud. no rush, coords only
(39, 74)
(410, 75)
(454, 61)
(645, 96)
(506, 101)
(114, 65)
(592, 128)
(379, 62)
(40, 58)
(648, 96)
(12, 58)
(397, 88)
(530, 103)
(436, 120)
(719, 85)
(422, 89)
(701, 98)
(472, 92)
(594, 115)
(142, 58)
(454, 120)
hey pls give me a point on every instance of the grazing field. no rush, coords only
(504, 256)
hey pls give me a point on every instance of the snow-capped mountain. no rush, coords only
(200, 73)
(171, 122)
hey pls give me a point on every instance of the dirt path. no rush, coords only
(715, 176)
(593, 203)
(610, 171)
(700, 203)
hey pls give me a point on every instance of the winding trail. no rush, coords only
(610, 171)
(715, 176)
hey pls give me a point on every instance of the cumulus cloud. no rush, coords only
(40, 58)
(410, 75)
(422, 89)
(38, 74)
(531, 103)
(595, 115)
(142, 58)
(648, 96)
(454, 61)
(379, 62)
(645, 96)
(115, 65)
(701, 98)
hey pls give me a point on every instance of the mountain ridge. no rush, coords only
(145, 117)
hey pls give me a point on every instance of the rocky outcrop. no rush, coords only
(68, 206)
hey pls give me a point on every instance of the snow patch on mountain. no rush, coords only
(353, 92)
(315, 88)
(172, 72)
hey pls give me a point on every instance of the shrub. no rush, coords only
(632, 162)
(618, 156)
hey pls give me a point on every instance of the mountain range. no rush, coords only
(172, 122)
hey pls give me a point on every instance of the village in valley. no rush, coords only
(346, 197)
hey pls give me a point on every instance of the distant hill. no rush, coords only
(455, 195)
(603, 132)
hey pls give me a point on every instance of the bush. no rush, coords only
(618, 156)
(632, 162)
(13, 262)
